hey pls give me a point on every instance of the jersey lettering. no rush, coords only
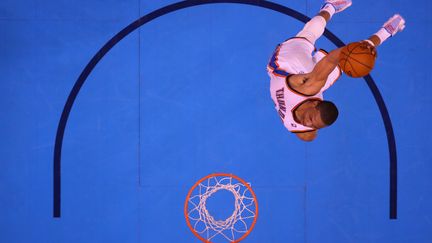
(281, 102)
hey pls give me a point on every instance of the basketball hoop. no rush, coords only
(232, 229)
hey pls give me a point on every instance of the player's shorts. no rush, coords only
(292, 57)
(296, 51)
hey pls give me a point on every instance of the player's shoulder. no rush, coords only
(307, 136)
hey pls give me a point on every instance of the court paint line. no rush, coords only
(185, 4)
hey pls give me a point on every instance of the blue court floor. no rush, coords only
(186, 95)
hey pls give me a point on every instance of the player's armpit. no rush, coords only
(309, 84)
(304, 84)
(307, 136)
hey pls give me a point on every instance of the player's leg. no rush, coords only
(394, 25)
(316, 26)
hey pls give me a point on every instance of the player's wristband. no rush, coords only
(370, 42)
(383, 34)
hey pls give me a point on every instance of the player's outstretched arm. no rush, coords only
(324, 67)
(311, 83)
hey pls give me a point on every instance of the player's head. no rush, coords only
(328, 111)
(322, 115)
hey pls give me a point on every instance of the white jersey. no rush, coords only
(294, 56)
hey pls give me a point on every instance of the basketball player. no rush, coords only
(299, 75)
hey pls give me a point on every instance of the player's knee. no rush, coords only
(313, 29)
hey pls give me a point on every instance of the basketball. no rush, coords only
(357, 60)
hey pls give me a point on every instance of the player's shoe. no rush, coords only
(338, 5)
(394, 24)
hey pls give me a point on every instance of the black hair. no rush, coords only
(329, 112)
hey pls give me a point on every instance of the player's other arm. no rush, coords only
(307, 136)
(311, 83)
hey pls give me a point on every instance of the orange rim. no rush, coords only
(186, 207)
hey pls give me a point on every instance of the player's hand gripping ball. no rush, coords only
(357, 59)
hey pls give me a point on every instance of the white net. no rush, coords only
(231, 229)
